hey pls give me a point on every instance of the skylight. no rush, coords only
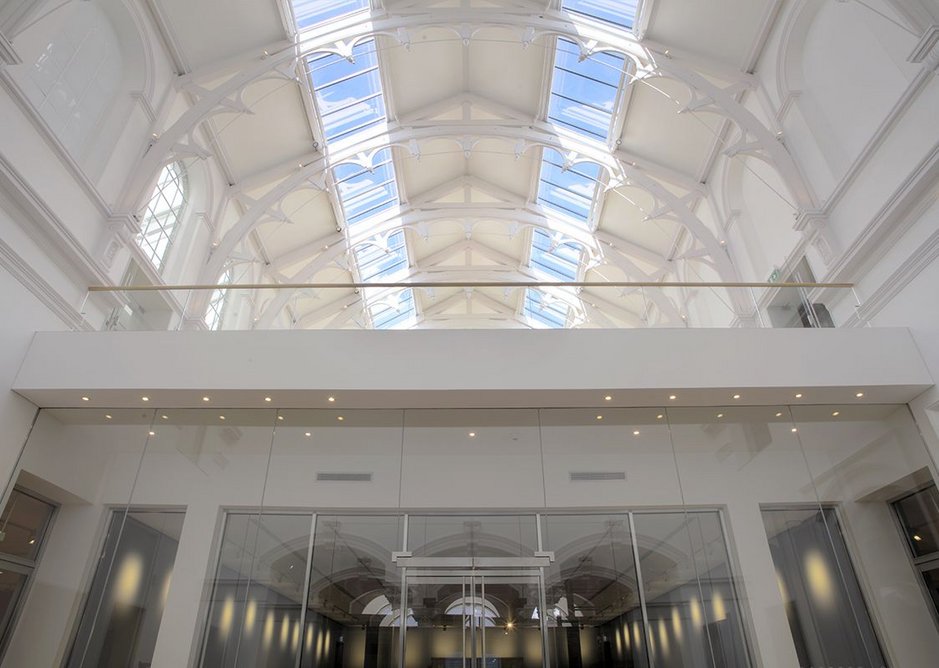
(568, 191)
(393, 309)
(363, 192)
(584, 92)
(308, 13)
(560, 263)
(348, 94)
(381, 262)
(544, 311)
(618, 12)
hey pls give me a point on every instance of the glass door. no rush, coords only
(473, 619)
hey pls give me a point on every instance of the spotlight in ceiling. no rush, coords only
(659, 416)
(736, 396)
(165, 417)
(280, 417)
(636, 432)
(308, 434)
(107, 417)
(917, 537)
(472, 434)
(205, 398)
(794, 430)
(720, 415)
(145, 398)
(859, 395)
(86, 399)
(340, 418)
(836, 414)
(267, 399)
(799, 395)
(153, 433)
(778, 414)
(331, 399)
(599, 417)
(608, 398)
(672, 397)
(221, 417)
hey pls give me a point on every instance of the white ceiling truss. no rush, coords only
(662, 193)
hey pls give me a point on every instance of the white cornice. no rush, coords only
(8, 54)
(62, 153)
(45, 293)
(53, 228)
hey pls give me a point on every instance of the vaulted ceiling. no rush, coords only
(419, 141)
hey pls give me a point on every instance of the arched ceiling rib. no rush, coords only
(648, 215)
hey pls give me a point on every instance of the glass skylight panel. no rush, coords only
(400, 311)
(161, 218)
(213, 316)
(348, 95)
(569, 191)
(550, 313)
(583, 93)
(365, 193)
(618, 12)
(560, 263)
(308, 13)
(377, 262)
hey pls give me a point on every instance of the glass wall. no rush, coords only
(618, 536)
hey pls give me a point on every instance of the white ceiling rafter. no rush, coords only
(464, 23)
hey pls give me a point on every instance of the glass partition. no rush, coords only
(625, 537)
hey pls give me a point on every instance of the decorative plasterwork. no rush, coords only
(8, 54)
(179, 138)
(813, 224)
(926, 50)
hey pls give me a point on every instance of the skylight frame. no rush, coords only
(551, 177)
(572, 78)
(359, 80)
(304, 20)
(546, 312)
(561, 262)
(581, 7)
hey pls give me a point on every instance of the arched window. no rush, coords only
(213, 316)
(163, 214)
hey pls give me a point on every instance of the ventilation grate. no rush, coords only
(597, 476)
(344, 477)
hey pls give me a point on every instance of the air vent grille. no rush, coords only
(344, 477)
(597, 476)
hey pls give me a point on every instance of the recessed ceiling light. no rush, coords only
(107, 417)
(221, 417)
(205, 398)
(599, 417)
(32, 541)
(280, 417)
(859, 395)
(917, 537)
(659, 416)
(340, 418)
(145, 398)
(736, 396)
(794, 430)
(165, 417)
(472, 434)
(85, 399)
(153, 433)
(778, 414)
(720, 415)
(331, 399)
(636, 433)
(608, 398)
(672, 397)
(836, 414)
(799, 395)
(267, 399)
(308, 434)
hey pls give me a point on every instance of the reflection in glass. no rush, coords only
(919, 516)
(255, 616)
(592, 592)
(695, 617)
(354, 603)
(827, 615)
(125, 605)
(476, 536)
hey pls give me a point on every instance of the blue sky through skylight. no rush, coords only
(548, 312)
(569, 192)
(308, 13)
(348, 95)
(379, 263)
(561, 263)
(583, 93)
(399, 312)
(618, 12)
(365, 193)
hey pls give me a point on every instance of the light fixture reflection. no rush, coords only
(227, 616)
